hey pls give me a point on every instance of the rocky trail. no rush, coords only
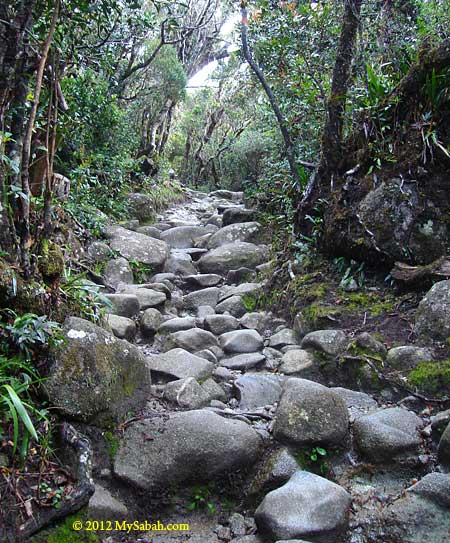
(226, 421)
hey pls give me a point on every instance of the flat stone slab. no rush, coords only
(180, 364)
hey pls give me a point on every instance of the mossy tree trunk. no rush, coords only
(322, 181)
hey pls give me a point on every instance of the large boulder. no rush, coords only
(387, 434)
(183, 237)
(135, 246)
(232, 256)
(179, 264)
(220, 324)
(407, 357)
(241, 341)
(257, 390)
(194, 339)
(179, 364)
(118, 271)
(234, 215)
(185, 447)
(309, 414)
(122, 327)
(206, 296)
(246, 231)
(433, 313)
(95, 377)
(329, 342)
(307, 506)
(124, 305)
(140, 206)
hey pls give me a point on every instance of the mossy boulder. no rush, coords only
(95, 377)
(50, 260)
(433, 313)
(431, 377)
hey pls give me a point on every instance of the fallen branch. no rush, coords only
(409, 274)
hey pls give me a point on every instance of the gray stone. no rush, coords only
(186, 393)
(150, 322)
(241, 341)
(234, 306)
(444, 448)
(135, 246)
(190, 446)
(407, 357)
(243, 361)
(248, 539)
(220, 324)
(194, 339)
(122, 327)
(439, 423)
(434, 486)
(150, 231)
(214, 390)
(149, 298)
(232, 256)
(206, 296)
(330, 342)
(260, 321)
(94, 376)
(247, 232)
(183, 237)
(180, 364)
(309, 413)
(103, 506)
(124, 305)
(272, 472)
(307, 506)
(297, 362)
(234, 215)
(240, 290)
(257, 390)
(140, 206)
(227, 195)
(99, 251)
(118, 271)
(176, 325)
(202, 280)
(282, 338)
(240, 275)
(204, 311)
(353, 398)
(415, 518)
(132, 224)
(163, 277)
(369, 344)
(179, 264)
(387, 434)
(207, 355)
(433, 313)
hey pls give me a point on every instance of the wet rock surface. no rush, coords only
(219, 402)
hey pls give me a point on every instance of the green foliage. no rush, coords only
(313, 460)
(201, 498)
(30, 331)
(17, 376)
(85, 297)
(432, 377)
(112, 444)
(350, 270)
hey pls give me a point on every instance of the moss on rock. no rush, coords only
(431, 377)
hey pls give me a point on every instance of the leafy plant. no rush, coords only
(141, 271)
(84, 295)
(201, 499)
(350, 271)
(30, 330)
(313, 460)
(16, 377)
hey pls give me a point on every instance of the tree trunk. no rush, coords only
(322, 181)
(26, 151)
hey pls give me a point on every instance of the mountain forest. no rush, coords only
(225, 271)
